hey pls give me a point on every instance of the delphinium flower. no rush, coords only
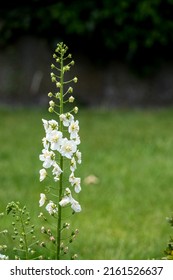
(60, 154)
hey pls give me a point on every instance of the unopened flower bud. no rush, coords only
(50, 94)
(52, 66)
(43, 230)
(70, 89)
(53, 79)
(57, 95)
(52, 238)
(42, 244)
(71, 99)
(52, 103)
(75, 110)
(51, 110)
(75, 79)
(58, 84)
(66, 68)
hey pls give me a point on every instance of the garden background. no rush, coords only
(124, 63)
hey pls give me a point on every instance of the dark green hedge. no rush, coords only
(137, 31)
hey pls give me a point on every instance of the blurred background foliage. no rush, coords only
(138, 32)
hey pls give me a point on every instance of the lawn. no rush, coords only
(131, 154)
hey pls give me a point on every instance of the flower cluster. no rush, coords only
(61, 140)
(54, 142)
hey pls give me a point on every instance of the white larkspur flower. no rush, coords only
(55, 138)
(68, 148)
(73, 129)
(42, 199)
(43, 174)
(66, 119)
(48, 158)
(51, 208)
(56, 171)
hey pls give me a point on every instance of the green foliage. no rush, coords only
(137, 31)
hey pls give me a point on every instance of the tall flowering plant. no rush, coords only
(60, 157)
(60, 154)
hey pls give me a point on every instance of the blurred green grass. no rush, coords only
(131, 153)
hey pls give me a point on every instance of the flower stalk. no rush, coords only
(60, 149)
(61, 163)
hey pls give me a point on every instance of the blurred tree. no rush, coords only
(139, 32)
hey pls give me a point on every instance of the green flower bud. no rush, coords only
(52, 103)
(51, 110)
(58, 84)
(75, 110)
(71, 99)
(70, 89)
(50, 94)
(53, 79)
(66, 68)
(75, 79)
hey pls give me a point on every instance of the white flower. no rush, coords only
(42, 199)
(45, 143)
(66, 119)
(45, 124)
(48, 158)
(69, 199)
(73, 129)
(50, 125)
(76, 206)
(51, 208)
(56, 171)
(75, 181)
(43, 174)
(64, 201)
(76, 139)
(77, 185)
(73, 164)
(3, 257)
(55, 137)
(79, 157)
(68, 148)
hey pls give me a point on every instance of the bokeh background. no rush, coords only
(123, 52)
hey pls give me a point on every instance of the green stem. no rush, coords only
(24, 236)
(58, 253)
